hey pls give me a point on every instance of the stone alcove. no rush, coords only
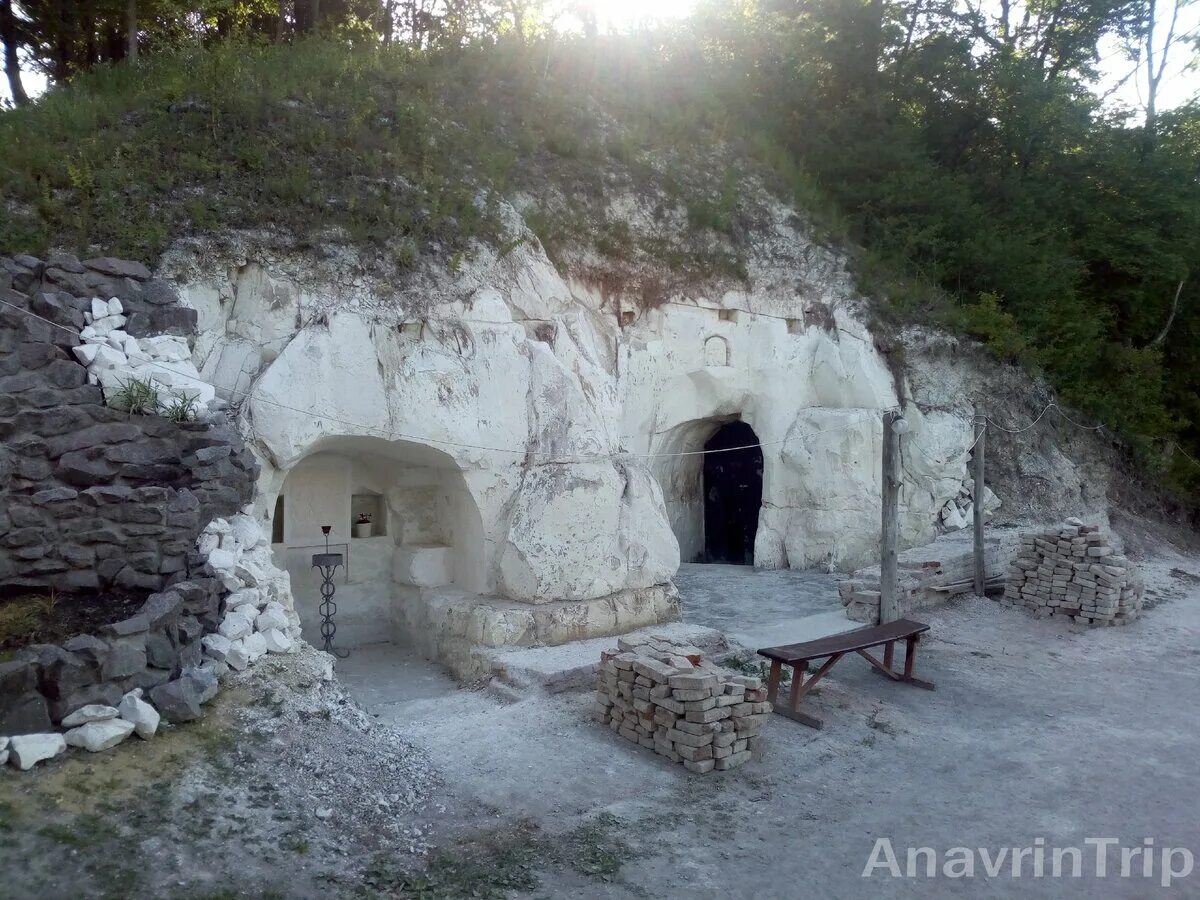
(426, 535)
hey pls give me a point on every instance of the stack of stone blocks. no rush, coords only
(1072, 571)
(664, 696)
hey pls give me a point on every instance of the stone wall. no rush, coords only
(1073, 571)
(664, 696)
(93, 498)
(103, 504)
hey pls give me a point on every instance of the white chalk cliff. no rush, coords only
(526, 448)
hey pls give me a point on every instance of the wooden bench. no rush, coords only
(859, 641)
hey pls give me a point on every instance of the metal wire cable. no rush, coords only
(382, 432)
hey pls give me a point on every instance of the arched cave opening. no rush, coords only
(732, 494)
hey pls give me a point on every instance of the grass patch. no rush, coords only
(492, 864)
(23, 615)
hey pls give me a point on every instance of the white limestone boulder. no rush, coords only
(237, 623)
(277, 641)
(423, 565)
(97, 736)
(255, 646)
(94, 712)
(216, 646)
(27, 750)
(272, 617)
(141, 715)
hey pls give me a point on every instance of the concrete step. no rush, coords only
(573, 666)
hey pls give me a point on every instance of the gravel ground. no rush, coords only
(291, 788)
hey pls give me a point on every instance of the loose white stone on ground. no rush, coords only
(27, 750)
(140, 714)
(99, 735)
(91, 713)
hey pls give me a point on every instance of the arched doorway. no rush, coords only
(732, 494)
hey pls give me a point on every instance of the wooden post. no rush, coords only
(977, 494)
(889, 603)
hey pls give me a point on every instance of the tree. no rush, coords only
(11, 42)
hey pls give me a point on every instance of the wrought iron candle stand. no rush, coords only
(328, 563)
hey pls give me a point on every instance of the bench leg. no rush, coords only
(800, 687)
(773, 680)
(910, 659)
(887, 668)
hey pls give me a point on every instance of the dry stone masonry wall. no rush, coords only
(666, 697)
(93, 498)
(1073, 571)
(110, 505)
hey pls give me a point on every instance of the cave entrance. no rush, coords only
(732, 494)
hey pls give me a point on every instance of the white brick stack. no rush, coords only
(666, 697)
(1072, 571)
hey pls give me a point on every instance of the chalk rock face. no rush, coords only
(555, 552)
(515, 435)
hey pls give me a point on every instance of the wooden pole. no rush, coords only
(889, 603)
(977, 495)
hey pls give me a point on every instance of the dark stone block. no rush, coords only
(18, 676)
(119, 268)
(108, 568)
(32, 467)
(77, 555)
(66, 262)
(172, 564)
(54, 495)
(79, 469)
(79, 580)
(49, 423)
(162, 610)
(22, 381)
(156, 474)
(109, 493)
(64, 373)
(106, 693)
(147, 451)
(24, 516)
(89, 648)
(71, 282)
(23, 537)
(178, 700)
(189, 631)
(61, 673)
(25, 714)
(34, 356)
(190, 656)
(150, 678)
(127, 627)
(132, 579)
(160, 293)
(127, 656)
(160, 652)
(94, 436)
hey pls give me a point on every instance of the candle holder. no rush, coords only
(328, 563)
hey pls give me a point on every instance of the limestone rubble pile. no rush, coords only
(1072, 571)
(664, 696)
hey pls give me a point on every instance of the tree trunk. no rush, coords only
(131, 31)
(12, 64)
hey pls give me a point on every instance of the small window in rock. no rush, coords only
(628, 316)
(728, 315)
(716, 351)
(795, 326)
(277, 521)
(412, 330)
